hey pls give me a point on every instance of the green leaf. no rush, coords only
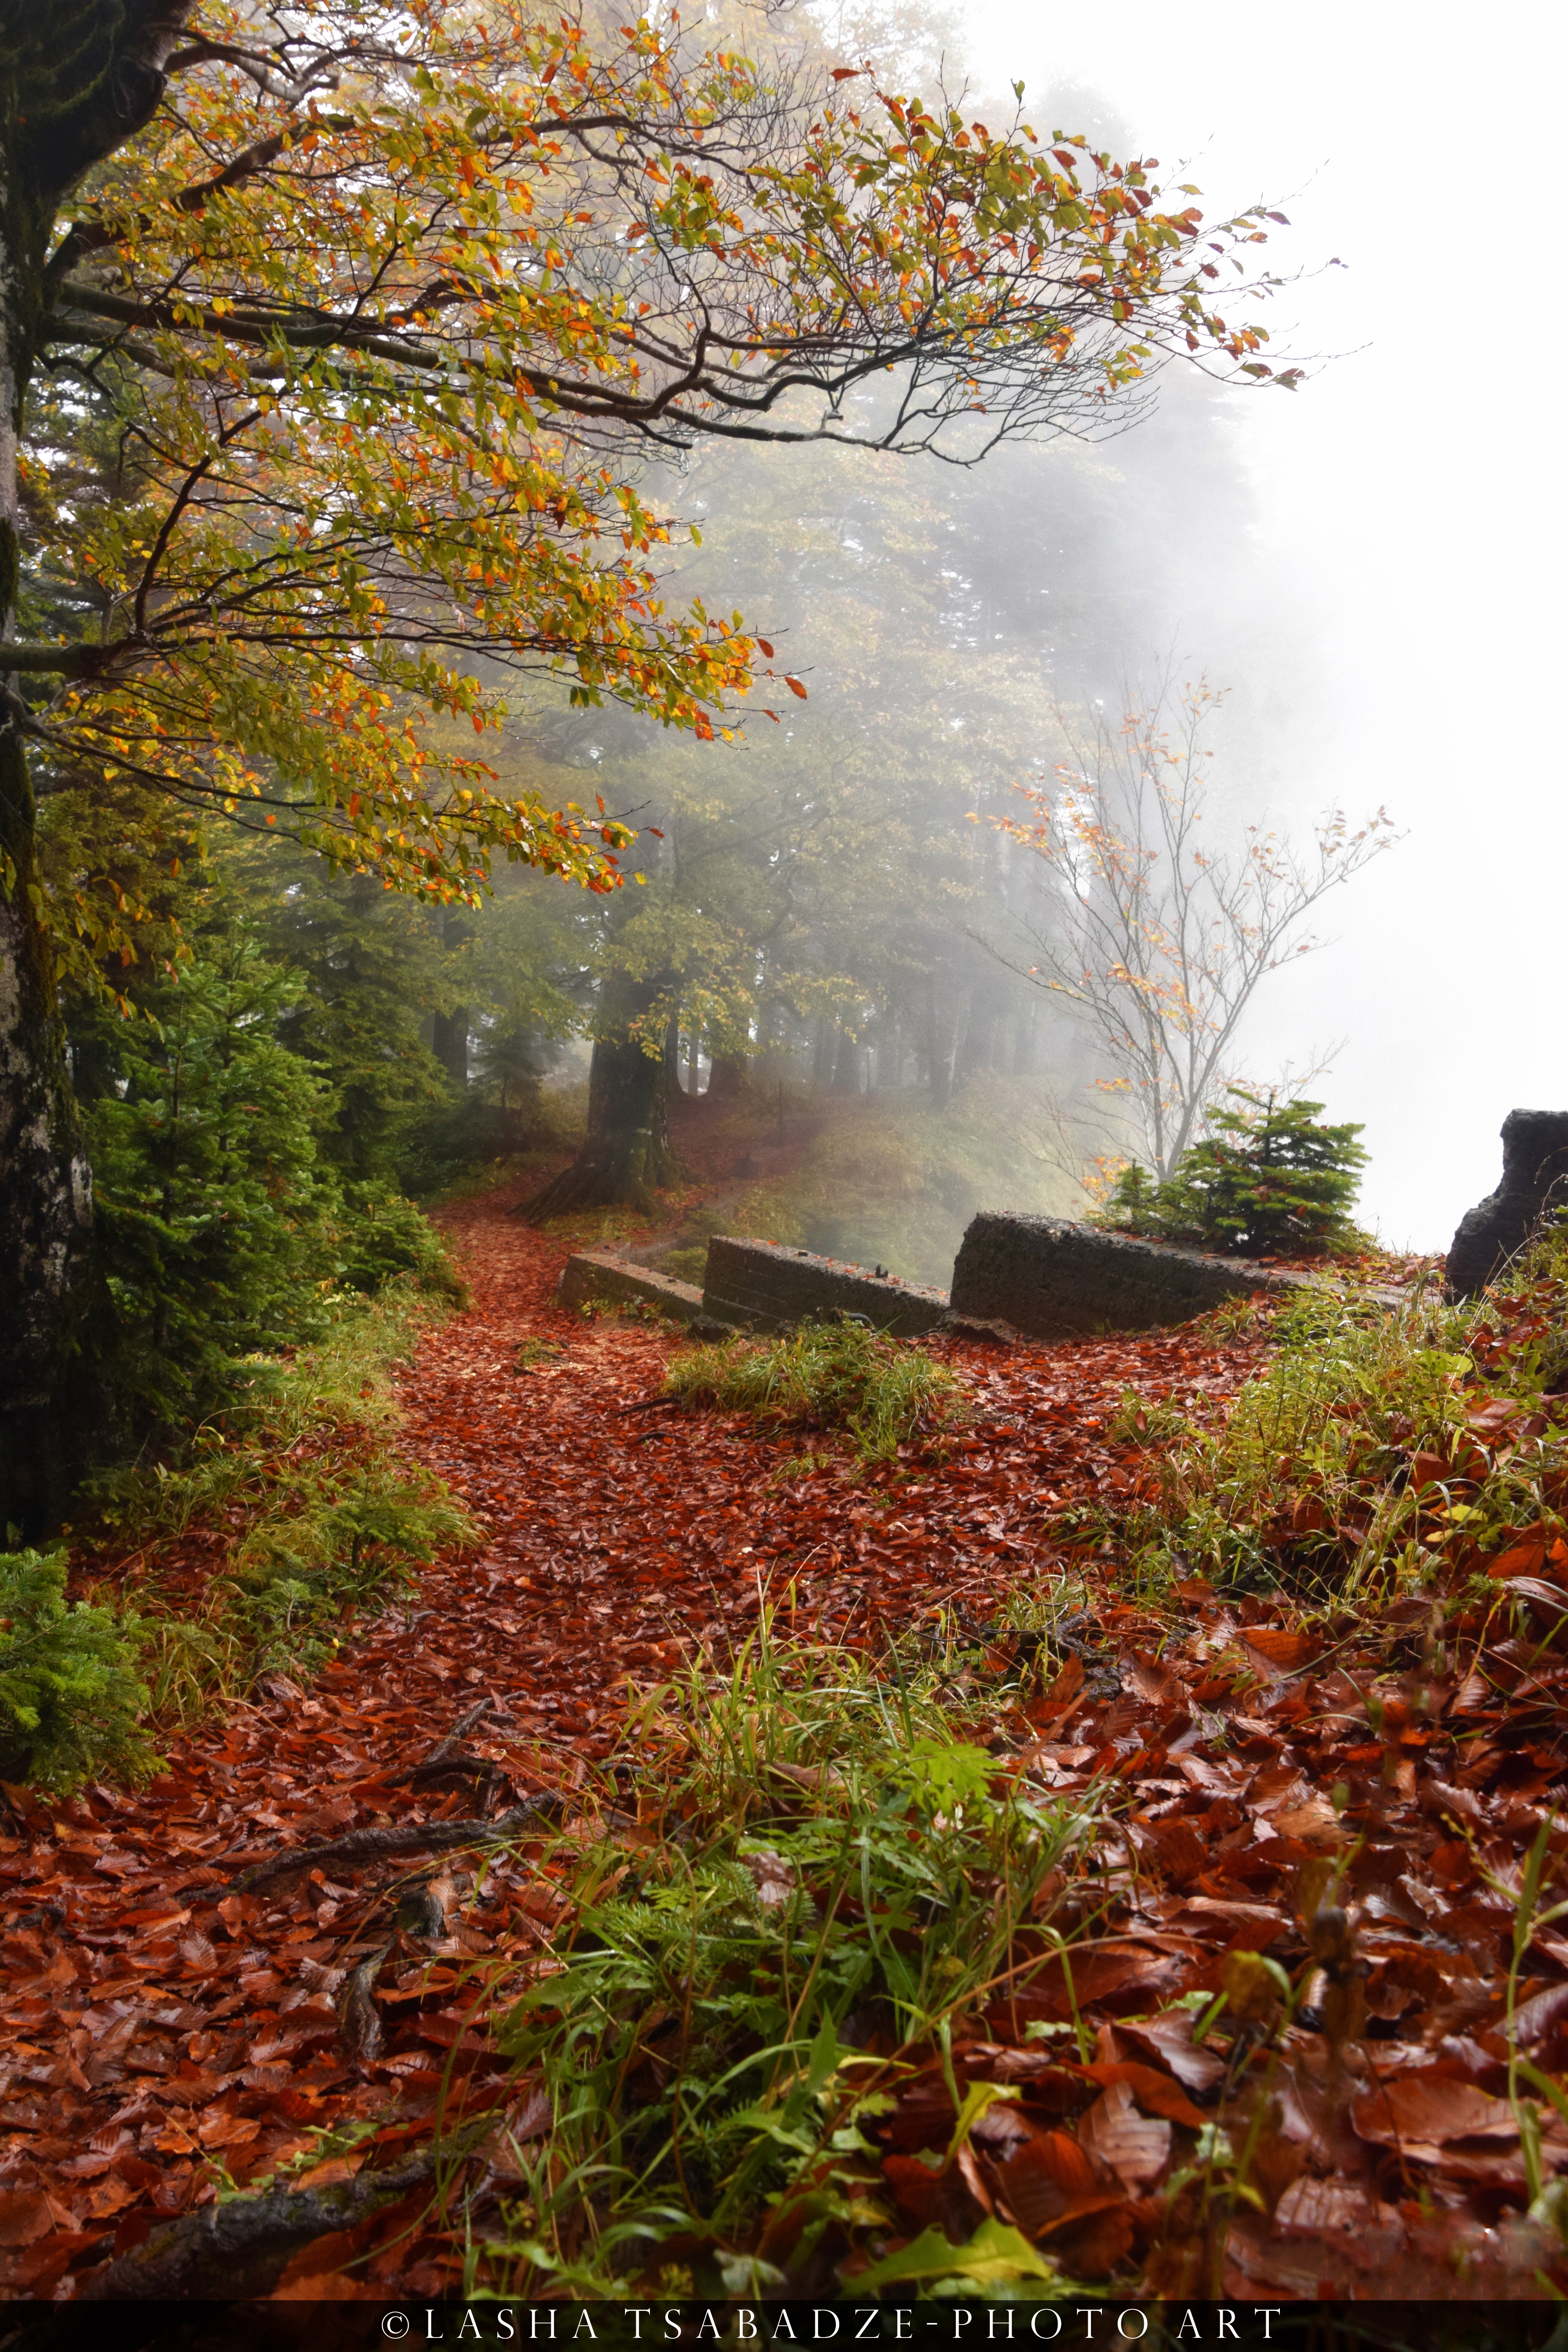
(823, 2061)
(944, 1772)
(976, 2100)
(995, 2255)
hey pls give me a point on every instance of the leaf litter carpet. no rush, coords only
(183, 2012)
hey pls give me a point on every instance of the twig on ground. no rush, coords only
(448, 1759)
(444, 1747)
(357, 2012)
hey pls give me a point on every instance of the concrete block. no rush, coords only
(600, 1275)
(767, 1284)
(1055, 1280)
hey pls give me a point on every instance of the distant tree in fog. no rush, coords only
(1159, 935)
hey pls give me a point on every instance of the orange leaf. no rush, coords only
(1155, 1682)
(1061, 1694)
(1535, 1588)
(1519, 1560)
(1045, 2180)
(1135, 2147)
(796, 686)
(1430, 2107)
(1102, 1971)
(24, 2215)
(1279, 1652)
(1152, 2090)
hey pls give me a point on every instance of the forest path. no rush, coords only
(166, 2027)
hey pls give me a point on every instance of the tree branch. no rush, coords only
(246, 328)
(84, 236)
(64, 661)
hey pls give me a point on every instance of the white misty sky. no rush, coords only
(1408, 576)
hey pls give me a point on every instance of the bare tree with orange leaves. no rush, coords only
(1158, 936)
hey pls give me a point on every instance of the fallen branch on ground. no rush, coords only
(414, 1837)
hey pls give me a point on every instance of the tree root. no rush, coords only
(588, 1184)
(243, 2246)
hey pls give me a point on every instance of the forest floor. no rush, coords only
(184, 2018)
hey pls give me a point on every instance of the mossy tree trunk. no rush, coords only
(46, 1187)
(76, 81)
(626, 1153)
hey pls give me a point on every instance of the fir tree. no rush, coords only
(1272, 1176)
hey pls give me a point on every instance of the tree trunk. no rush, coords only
(77, 85)
(450, 1043)
(728, 1076)
(847, 1068)
(46, 1188)
(449, 1030)
(626, 1153)
(981, 1013)
(944, 1035)
(46, 1193)
(1024, 1043)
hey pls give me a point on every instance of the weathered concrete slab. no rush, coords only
(1055, 1280)
(599, 1274)
(768, 1284)
(1535, 1184)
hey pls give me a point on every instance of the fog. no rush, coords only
(1390, 612)
(829, 951)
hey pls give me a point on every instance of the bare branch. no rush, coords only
(1156, 933)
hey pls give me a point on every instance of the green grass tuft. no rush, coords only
(836, 1376)
(828, 1873)
(1381, 1448)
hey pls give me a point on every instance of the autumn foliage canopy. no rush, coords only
(388, 308)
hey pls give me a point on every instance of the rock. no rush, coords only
(1535, 1181)
(991, 1330)
(707, 1328)
(1055, 1280)
(771, 1286)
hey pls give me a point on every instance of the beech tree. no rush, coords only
(382, 303)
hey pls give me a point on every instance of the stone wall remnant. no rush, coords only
(598, 1274)
(1534, 1182)
(772, 1285)
(1053, 1279)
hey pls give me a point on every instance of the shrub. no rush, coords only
(69, 1682)
(1271, 1177)
(380, 1235)
(824, 1376)
(222, 1231)
(209, 1198)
